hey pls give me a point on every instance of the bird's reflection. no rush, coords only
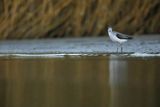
(118, 78)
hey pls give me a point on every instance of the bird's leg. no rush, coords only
(117, 48)
(121, 48)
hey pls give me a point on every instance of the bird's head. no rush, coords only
(109, 29)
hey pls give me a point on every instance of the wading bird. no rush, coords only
(118, 37)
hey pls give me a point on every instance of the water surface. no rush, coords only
(86, 81)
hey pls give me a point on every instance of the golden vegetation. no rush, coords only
(59, 18)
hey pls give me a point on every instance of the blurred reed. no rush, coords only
(76, 18)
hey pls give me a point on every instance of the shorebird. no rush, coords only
(118, 37)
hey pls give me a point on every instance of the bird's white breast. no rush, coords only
(114, 38)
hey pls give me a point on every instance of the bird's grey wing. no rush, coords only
(123, 36)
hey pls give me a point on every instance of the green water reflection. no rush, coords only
(80, 82)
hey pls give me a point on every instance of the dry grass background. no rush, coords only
(65, 18)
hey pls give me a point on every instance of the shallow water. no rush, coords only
(85, 81)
